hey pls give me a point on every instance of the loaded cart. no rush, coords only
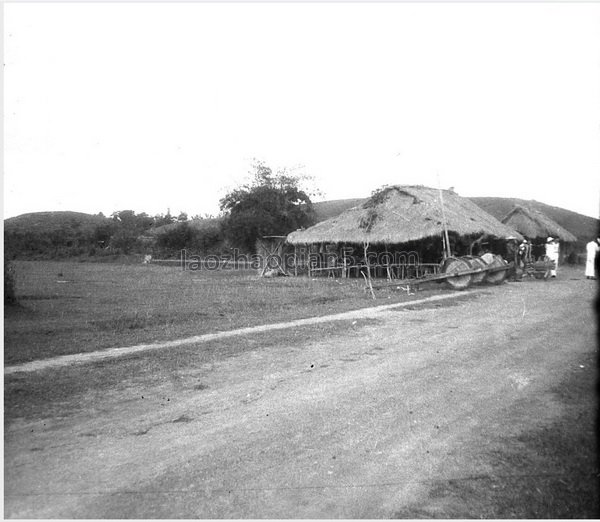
(461, 272)
(539, 269)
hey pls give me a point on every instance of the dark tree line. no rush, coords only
(269, 204)
(121, 233)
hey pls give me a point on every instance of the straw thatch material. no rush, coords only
(533, 223)
(399, 214)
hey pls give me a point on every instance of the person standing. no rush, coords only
(552, 252)
(524, 253)
(592, 249)
(512, 255)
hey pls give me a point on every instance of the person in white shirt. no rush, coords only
(592, 249)
(552, 251)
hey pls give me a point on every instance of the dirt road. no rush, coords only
(422, 412)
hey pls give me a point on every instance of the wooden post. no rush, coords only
(265, 259)
(366, 246)
(389, 275)
(295, 261)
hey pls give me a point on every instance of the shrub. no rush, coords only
(200, 236)
(174, 238)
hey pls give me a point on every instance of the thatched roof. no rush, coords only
(533, 223)
(399, 214)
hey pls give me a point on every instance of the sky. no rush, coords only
(156, 106)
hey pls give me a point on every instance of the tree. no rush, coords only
(128, 227)
(129, 220)
(270, 204)
(163, 219)
(102, 233)
(174, 238)
(199, 237)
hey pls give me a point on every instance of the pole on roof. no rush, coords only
(446, 239)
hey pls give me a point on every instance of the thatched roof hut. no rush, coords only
(535, 224)
(400, 214)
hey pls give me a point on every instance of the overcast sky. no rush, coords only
(150, 106)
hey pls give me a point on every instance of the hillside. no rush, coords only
(44, 222)
(43, 235)
(583, 227)
(328, 209)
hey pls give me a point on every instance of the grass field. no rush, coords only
(69, 307)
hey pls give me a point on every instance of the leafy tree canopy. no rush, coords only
(132, 222)
(270, 204)
(128, 226)
(163, 219)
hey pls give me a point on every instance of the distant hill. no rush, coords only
(328, 209)
(51, 221)
(64, 234)
(583, 227)
(43, 235)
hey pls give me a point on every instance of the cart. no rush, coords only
(460, 273)
(539, 269)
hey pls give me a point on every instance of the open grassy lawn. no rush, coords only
(70, 307)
